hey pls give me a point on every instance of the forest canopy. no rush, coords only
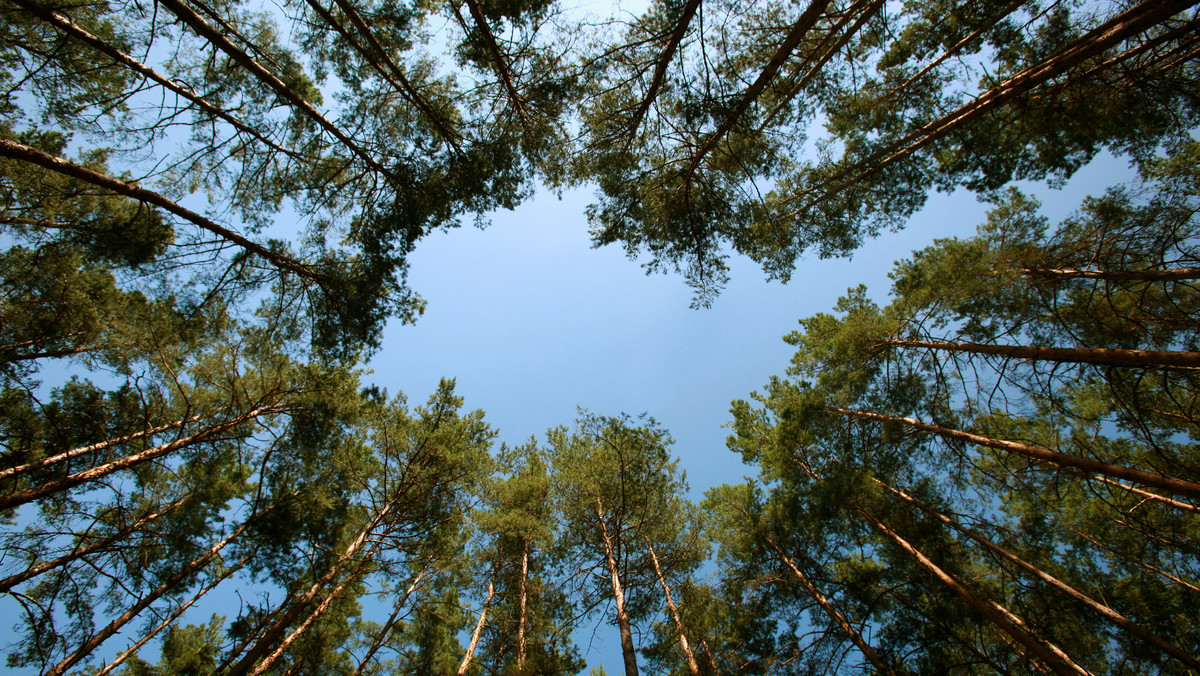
(208, 210)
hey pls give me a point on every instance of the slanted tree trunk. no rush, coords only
(205, 30)
(24, 153)
(628, 653)
(1100, 608)
(377, 643)
(92, 448)
(1154, 480)
(1081, 355)
(1050, 654)
(132, 650)
(834, 614)
(95, 473)
(80, 552)
(498, 61)
(661, 64)
(1172, 274)
(74, 30)
(522, 605)
(286, 618)
(194, 566)
(474, 643)
(683, 641)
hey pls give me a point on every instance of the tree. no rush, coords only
(621, 499)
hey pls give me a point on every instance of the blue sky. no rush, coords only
(533, 322)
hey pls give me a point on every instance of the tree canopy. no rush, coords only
(208, 210)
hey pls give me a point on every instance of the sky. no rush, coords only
(533, 322)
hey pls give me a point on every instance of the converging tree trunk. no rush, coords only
(683, 641)
(483, 613)
(1174, 485)
(628, 652)
(1082, 355)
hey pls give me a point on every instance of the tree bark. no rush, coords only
(1126, 25)
(683, 641)
(833, 613)
(474, 643)
(1160, 481)
(498, 61)
(797, 32)
(1100, 608)
(94, 473)
(286, 618)
(24, 153)
(1083, 355)
(391, 621)
(1115, 275)
(628, 653)
(524, 595)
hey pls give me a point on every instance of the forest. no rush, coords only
(209, 208)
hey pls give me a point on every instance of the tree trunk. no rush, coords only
(1047, 652)
(205, 30)
(1147, 494)
(311, 618)
(1128, 24)
(391, 621)
(833, 613)
(113, 627)
(287, 617)
(65, 25)
(131, 650)
(1115, 275)
(92, 448)
(498, 61)
(660, 65)
(524, 594)
(1100, 608)
(24, 153)
(797, 32)
(683, 641)
(1173, 578)
(1171, 484)
(1083, 355)
(58, 485)
(628, 653)
(474, 643)
(80, 552)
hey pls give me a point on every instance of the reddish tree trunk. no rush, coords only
(1082, 355)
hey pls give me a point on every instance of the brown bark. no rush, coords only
(1147, 494)
(194, 566)
(65, 25)
(1116, 275)
(1082, 355)
(1154, 569)
(92, 448)
(628, 654)
(94, 473)
(661, 64)
(205, 30)
(1152, 479)
(80, 552)
(1047, 652)
(683, 641)
(1100, 608)
(24, 153)
(524, 594)
(833, 613)
(132, 650)
(474, 643)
